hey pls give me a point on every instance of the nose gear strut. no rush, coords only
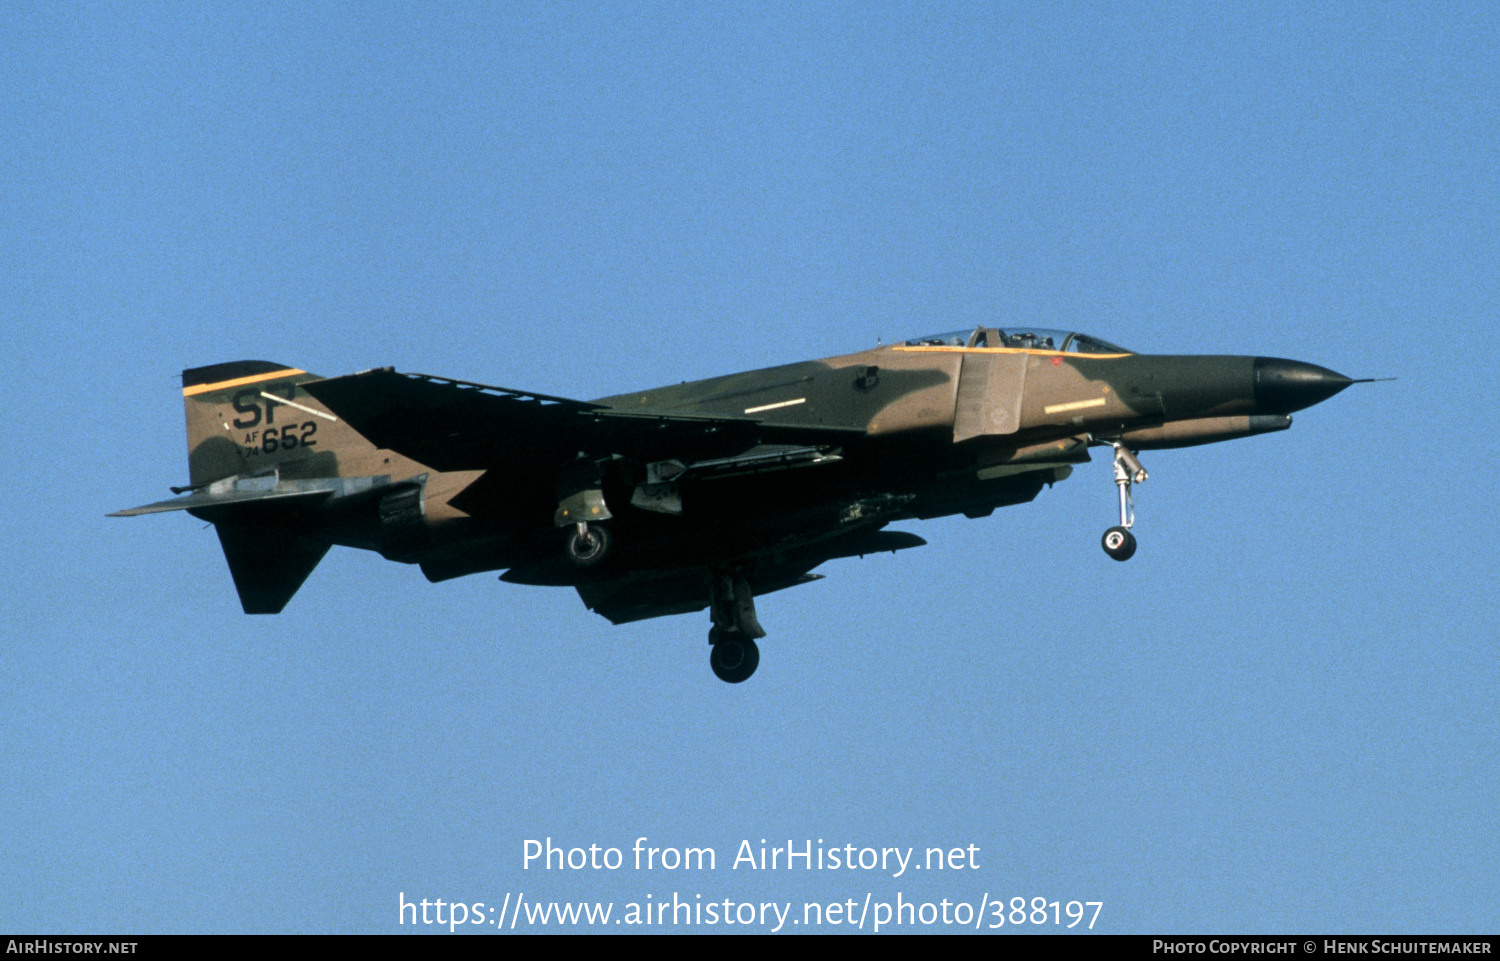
(1118, 542)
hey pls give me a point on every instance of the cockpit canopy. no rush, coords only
(1023, 338)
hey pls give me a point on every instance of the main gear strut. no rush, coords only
(734, 655)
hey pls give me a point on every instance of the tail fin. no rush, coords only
(246, 419)
(249, 416)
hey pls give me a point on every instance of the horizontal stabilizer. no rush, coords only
(269, 564)
(203, 499)
(268, 489)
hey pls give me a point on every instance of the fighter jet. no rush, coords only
(701, 495)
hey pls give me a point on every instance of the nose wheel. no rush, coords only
(1118, 542)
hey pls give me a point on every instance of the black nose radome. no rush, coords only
(1284, 386)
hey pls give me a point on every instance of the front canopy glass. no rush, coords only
(1022, 338)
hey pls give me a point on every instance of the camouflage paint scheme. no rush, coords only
(693, 496)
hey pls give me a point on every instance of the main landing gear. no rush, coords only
(735, 655)
(587, 544)
(584, 512)
(1118, 542)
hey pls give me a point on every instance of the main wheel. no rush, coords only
(734, 656)
(1119, 543)
(589, 547)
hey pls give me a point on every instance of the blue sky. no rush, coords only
(1280, 716)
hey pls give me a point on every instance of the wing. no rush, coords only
(458, 425)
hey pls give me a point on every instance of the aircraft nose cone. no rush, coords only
(1284, 386)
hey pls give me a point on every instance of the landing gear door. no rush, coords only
(990, 387)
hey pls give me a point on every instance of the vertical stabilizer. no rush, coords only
(250, 416)
(248, 419)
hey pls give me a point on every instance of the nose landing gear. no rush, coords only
(1118, 541)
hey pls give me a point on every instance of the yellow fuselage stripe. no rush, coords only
(1075, 405)
(240, 382)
